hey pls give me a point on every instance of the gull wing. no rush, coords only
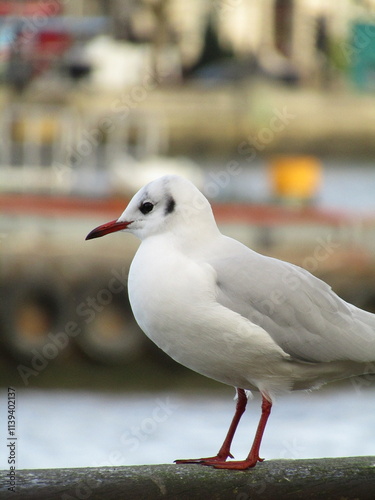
(299, 311)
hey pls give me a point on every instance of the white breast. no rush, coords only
(173, 300)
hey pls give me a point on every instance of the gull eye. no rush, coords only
(146, 207)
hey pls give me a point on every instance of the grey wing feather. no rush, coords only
(299, 311)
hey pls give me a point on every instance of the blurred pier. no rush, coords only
(61, 295)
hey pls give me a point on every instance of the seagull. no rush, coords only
(221, 309)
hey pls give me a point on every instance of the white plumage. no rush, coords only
(227, 312)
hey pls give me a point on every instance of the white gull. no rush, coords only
(227, 312)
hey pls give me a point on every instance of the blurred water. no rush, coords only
(79, 429)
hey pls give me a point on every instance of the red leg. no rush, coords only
(224, 451)
(253, 456)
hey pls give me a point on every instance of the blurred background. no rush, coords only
(268, 107)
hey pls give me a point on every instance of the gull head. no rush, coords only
(168, 204)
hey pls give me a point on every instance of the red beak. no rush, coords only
(108, 227)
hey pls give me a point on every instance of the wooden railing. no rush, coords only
(328, 479)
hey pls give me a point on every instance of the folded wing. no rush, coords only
(299, 311)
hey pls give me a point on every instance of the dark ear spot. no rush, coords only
(170, 205)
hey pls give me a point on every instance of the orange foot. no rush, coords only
(219, 459)
(238, 464)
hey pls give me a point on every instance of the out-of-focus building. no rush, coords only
(304, 34)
